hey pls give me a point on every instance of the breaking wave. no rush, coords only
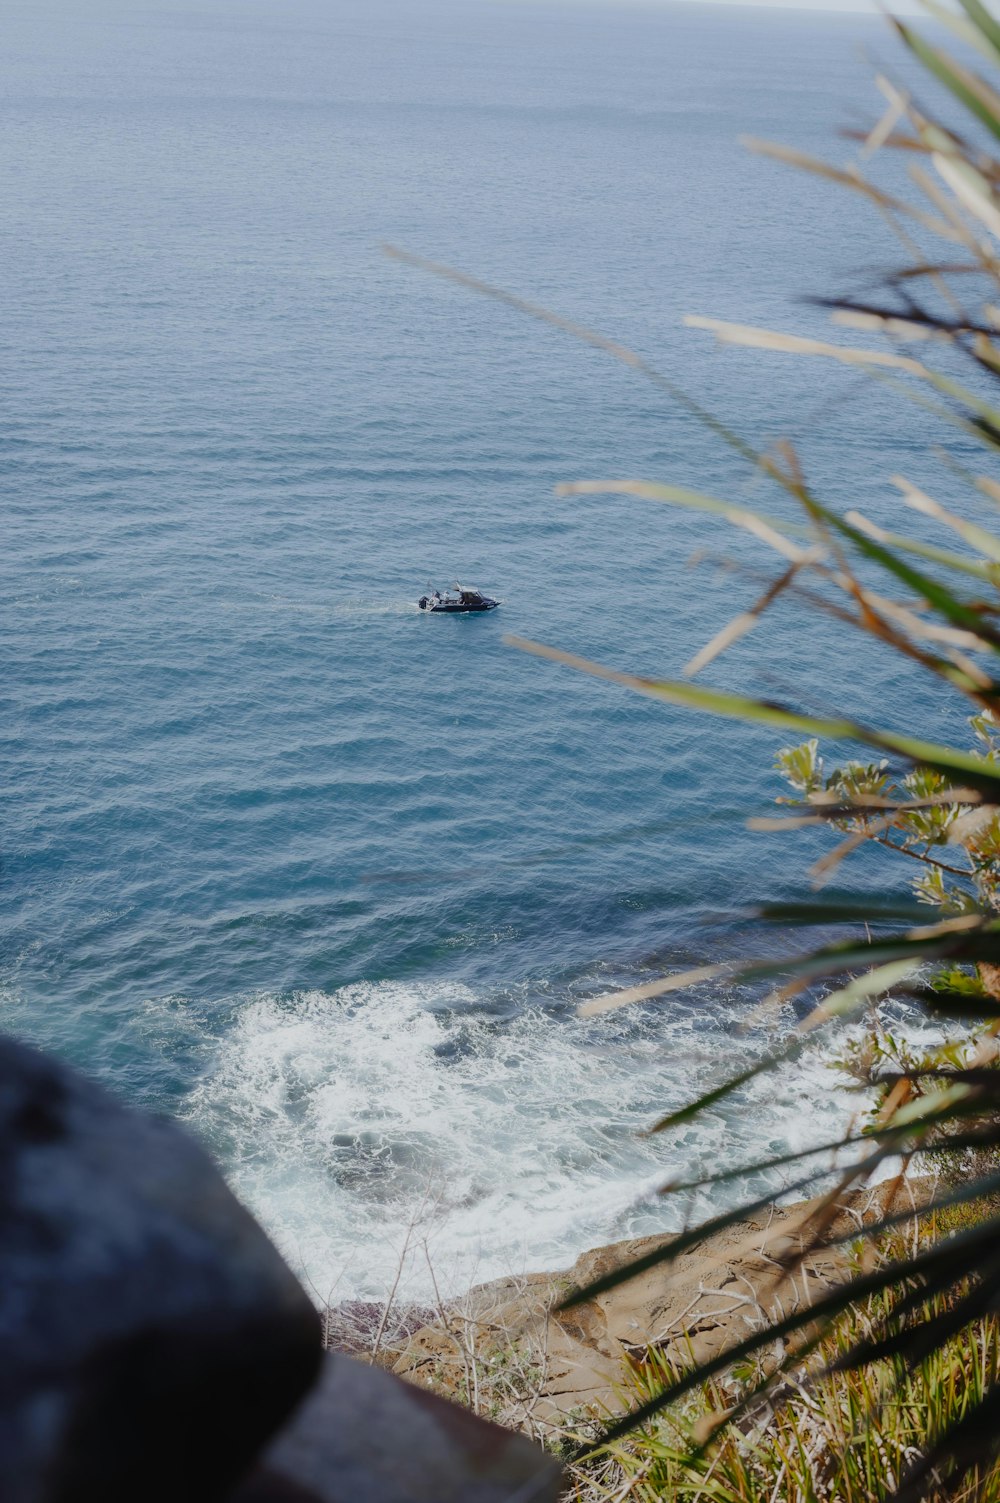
(386, 1129)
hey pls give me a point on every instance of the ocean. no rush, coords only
(321, 875)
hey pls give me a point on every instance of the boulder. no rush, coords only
(153, 1339)
(365, 1436)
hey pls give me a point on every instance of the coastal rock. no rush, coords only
(152, 1337)
(542, 1364)
(364, 1436)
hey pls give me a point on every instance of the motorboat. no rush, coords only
(458, 599)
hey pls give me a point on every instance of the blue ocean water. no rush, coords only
(322, 875)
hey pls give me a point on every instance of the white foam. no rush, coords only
(387, 1116)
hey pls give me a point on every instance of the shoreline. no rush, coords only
(505, 1350)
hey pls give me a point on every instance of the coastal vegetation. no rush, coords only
(847, 1433)
(886, 1384)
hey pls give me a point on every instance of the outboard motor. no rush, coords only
(422, 602)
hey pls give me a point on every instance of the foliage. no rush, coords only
(933, 333)
(848, 1435)
(902, 1397)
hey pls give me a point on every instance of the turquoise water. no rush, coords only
(282, 855)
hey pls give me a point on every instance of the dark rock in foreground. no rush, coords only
(364, 1436)
(152, 1338)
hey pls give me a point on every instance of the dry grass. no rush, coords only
(825, 1436)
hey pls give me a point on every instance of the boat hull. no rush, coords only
(461, 610)
(444, 607)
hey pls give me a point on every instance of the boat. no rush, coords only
(459, 599)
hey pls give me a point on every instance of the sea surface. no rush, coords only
(321, 875)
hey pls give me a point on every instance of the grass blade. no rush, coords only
(973, 92)
(980, 775)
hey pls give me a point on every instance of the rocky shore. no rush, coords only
(507, 1351)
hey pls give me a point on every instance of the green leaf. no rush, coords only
(981, 434)
(673, 1249)
(846, 911)
(971, 32)
(588, 336)
(968, 1006)
(977, 537)
(971, 91)
(756, 521)
(828, 1306)
(978, 944)
(801, 766)
(943, 556)
(903, 1139)
(973, 771)
(719, 1093)
(773, 530)
(984, 23)
(845, 1000)
(929, 589)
